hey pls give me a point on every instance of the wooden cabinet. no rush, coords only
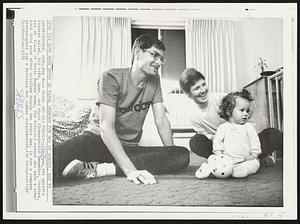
(268, 95)
(258, 89)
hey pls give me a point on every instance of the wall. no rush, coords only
(254, 38)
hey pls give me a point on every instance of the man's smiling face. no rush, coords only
(149, 60)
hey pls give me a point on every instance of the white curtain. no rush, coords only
(210, 50)
(105, 44)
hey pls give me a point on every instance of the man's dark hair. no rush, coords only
(188, 78)
(146, 41)
(229, 102)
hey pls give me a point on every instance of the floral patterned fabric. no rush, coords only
(69, 119)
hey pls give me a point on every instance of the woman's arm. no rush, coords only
(198, 127)
(201, 130)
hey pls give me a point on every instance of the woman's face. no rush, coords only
(198, 91)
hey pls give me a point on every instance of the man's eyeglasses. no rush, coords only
(156, 56)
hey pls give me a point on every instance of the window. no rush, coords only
(174, 41)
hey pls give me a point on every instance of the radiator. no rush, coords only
(275, 99)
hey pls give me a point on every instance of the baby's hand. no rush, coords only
(252, 156)
(218, 152)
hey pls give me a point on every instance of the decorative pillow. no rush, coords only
(69, 119)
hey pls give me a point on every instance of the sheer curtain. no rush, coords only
(105, 44)
(210, 50)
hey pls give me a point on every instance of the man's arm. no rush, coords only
(112, 142)
(162, 123)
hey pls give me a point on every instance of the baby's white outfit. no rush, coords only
(238, 141)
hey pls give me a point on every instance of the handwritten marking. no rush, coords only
(265, 215)
(240, 216)
(42, 151)
(19, 106)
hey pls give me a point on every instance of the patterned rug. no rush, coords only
(265, 188)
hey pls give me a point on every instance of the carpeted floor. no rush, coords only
(262, 189)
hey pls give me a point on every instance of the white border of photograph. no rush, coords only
(287, 11)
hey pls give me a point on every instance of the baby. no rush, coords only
(237, 138)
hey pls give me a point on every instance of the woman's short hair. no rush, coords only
(146, 41)
(188, 78)
(229, 102)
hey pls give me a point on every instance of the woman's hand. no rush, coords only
(141, 176)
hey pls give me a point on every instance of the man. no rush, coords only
(110, 144)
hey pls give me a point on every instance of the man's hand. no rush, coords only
(141, 176)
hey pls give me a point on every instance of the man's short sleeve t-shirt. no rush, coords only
(116, 89)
